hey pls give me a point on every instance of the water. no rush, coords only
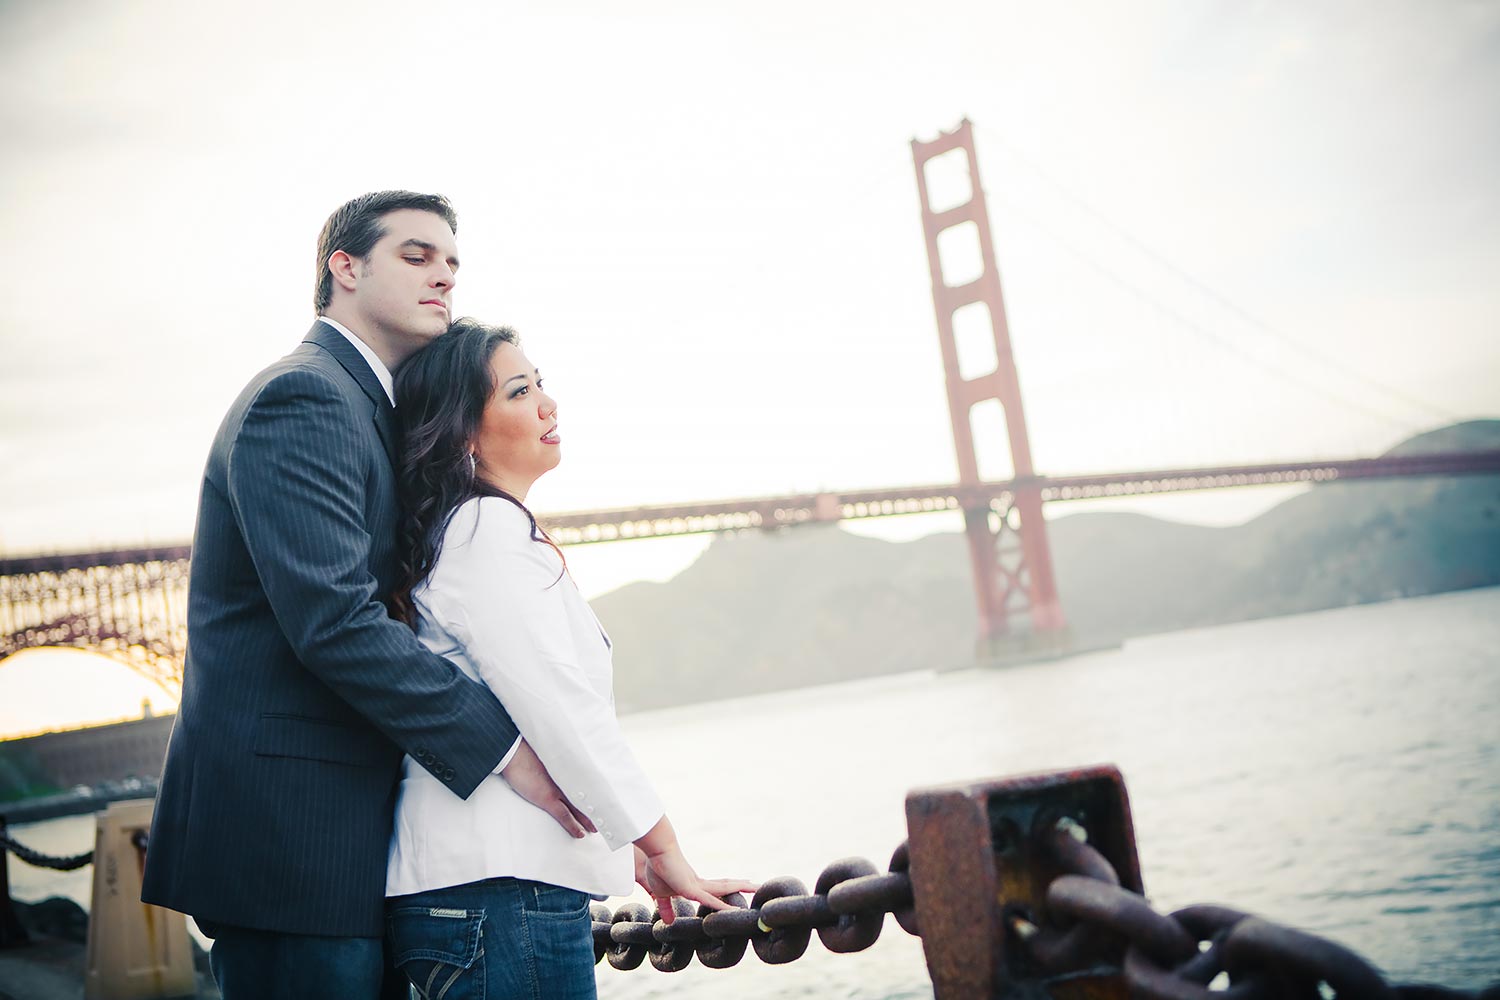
(1336, 771)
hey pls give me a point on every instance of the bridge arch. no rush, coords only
(128, 606)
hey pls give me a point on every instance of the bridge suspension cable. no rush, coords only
(1341, 367)
(1221, 341)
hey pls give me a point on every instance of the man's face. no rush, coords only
(405, 284)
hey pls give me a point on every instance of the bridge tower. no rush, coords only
(1019, 612)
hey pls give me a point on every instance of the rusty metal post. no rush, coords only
(12, 934)
(1007, 580)
(977, 866)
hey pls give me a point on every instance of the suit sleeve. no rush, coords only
(296, 480)
(499, 593)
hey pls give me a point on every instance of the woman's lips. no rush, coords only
(551, 437)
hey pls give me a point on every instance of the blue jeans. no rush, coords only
(500, 939)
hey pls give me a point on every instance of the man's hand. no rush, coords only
(529, 777)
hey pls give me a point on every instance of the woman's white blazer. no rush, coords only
(498, 604)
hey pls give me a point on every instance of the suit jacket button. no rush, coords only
(447, 774)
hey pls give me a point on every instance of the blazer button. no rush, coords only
(447, 774)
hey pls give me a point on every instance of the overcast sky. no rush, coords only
(1228, 232)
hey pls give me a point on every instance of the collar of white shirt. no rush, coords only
(376, 365)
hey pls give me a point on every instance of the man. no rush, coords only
(300, 693)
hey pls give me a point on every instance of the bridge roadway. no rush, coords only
(131, 604)
(770, 512)
(613, 524)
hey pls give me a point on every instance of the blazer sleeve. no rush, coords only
(296, 481)
(500, 595)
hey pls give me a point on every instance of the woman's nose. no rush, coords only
(548, 407)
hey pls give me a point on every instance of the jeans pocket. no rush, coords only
(553, 902)
(439, 949)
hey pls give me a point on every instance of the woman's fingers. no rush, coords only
(724, 886)
(669, 875)
(710, 891)
(709, 900)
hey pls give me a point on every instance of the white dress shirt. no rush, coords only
(498, 604)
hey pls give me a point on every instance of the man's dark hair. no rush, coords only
(356, 226)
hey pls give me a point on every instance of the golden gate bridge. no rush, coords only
(131, 604)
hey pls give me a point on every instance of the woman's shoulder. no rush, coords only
(488, 514)
(489, 522)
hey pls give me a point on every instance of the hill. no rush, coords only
(764, 611)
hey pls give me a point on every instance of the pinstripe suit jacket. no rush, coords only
(300, 693)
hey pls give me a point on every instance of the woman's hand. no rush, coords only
(667, 873)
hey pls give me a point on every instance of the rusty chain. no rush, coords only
(1090, 920)
(40, 860)
(846, 908)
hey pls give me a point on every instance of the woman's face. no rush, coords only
(517, 439)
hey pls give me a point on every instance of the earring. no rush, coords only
(473, 466)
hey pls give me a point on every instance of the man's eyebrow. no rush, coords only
(426, 247)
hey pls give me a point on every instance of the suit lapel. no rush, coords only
(349, 358)
(385, 419)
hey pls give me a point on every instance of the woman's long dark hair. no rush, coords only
(441, 393)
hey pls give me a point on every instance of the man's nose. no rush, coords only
(444, 276)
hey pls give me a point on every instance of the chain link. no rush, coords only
(40, 860)
(1089, 921)
(847, 910)
(1090, 918)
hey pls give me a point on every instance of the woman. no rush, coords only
(489, 897)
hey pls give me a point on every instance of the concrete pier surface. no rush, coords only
(45, 969)
(54, 963)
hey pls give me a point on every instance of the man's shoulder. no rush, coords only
(308, 370)
(307, 379)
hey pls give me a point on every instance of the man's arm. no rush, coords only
(296, 483)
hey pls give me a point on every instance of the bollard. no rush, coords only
(135, 951)
(12, 934)
(979, 879)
